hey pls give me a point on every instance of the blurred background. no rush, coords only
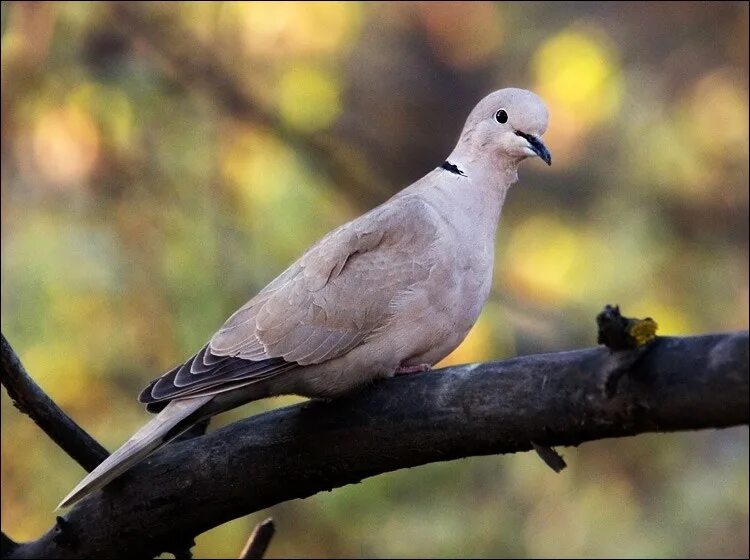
(162, 162)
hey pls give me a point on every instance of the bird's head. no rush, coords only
(507, 125)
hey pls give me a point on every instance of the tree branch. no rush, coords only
(259, 540)
(552, 399)
(30, 399)
(7, 545)
(550, 457)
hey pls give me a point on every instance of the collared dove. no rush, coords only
(393, 291)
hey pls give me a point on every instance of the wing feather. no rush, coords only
(322, 306)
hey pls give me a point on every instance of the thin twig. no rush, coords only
(30, 399)
(259, 540)
(551, 457)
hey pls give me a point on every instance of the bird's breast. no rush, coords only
(465, 281)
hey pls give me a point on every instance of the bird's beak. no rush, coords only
(537, 146)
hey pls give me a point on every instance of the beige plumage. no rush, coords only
(396, 289)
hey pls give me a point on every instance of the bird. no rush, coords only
(391, 292)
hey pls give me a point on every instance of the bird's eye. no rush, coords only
(501, 116)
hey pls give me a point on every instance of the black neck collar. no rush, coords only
(448, 166)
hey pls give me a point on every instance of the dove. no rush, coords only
(391, 292)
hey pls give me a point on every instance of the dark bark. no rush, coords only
(7, 545)
(550, 457)
(29, 398)
(553, 399)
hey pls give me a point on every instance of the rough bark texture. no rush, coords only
(553, 399)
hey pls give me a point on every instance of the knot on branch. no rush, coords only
(63, 533)
(623, 333)
(628, 338)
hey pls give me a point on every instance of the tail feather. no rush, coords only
(176, 417)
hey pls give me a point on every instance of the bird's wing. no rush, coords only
(320, 308)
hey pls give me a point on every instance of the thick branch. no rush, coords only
(552, 399)
(29, 398)
(7, 545)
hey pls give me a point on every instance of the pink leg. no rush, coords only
(406, 370)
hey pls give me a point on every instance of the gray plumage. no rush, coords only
(397, 288)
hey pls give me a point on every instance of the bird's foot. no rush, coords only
(406, 370)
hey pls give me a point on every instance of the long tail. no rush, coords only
(176, 417)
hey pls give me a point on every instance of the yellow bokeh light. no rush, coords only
(65, 146)
(716, 116)
(476, 347)
(549, 261)
(308, 98)
(663, 155)
(685, 150)
(576, 73)
(111, 108)
(59, 370)
(258, 166)
(541, 254)
(293, 28)
(671, 319)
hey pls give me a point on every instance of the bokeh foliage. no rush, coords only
(162, 162)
